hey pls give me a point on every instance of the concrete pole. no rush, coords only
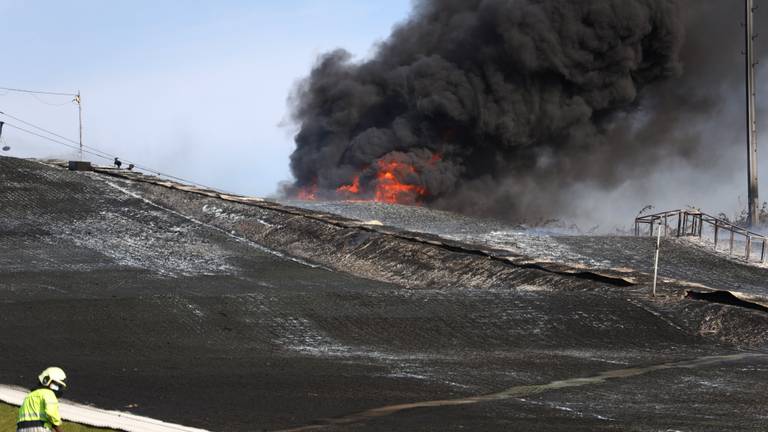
(656, 260)
(749, 36)
(80, 121)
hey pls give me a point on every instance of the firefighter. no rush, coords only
(40, 410)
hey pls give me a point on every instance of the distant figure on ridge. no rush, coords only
(40, 410)
(130, 167)
(117, 163)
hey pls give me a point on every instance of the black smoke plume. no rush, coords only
(500, 106)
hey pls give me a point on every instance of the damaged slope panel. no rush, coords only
(152, 292)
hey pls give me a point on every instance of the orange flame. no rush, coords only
(389, 185)
(390, 189)
(307, 193)
(353, 189)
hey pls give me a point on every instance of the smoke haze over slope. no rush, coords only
(528, 109)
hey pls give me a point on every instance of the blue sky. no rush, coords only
(193, 88)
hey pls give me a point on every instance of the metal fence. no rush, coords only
(692, 223)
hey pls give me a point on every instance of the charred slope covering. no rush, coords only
(681, 259)
(426, 260)
(177, 305)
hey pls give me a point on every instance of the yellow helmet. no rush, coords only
(53, 375)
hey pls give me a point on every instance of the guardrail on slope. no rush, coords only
(691, 223)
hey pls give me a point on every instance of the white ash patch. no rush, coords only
(169, 249)
(403, 374)
(231, 234)
(537, 243)
(418, 372)
(565, 408)
(265, 223)
(534, 288)
(531, 243)
(219, 213)
(300, 335)
(738, 254)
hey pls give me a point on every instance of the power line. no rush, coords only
(37, 92)
(107, 156)
(53, 140)
(39, 128)
(94, 151)
(49, 103)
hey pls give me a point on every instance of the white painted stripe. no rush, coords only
(96, 417)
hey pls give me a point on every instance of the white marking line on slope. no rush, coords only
(96, 417)
(240, 239)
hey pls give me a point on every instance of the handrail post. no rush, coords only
(715, 234)
(749, 247)
(701, 223)
(694, 225)
(679, 221)
(730, 251)
(656, 259)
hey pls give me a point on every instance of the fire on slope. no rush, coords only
(390, 181)
(308, 193)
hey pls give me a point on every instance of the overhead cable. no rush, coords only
(37, 92)
(50, 103)
(55, 140)
(39, 128)
(94, 151)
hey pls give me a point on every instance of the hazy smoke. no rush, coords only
(507, 107)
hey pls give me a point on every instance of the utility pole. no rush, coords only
(76, 99)
(656, 259)
(751, 64)
(80, 121)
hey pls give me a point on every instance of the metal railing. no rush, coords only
(691, 223)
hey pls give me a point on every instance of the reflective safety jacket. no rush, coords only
(41, 405)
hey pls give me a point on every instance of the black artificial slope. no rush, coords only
(165, 303)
